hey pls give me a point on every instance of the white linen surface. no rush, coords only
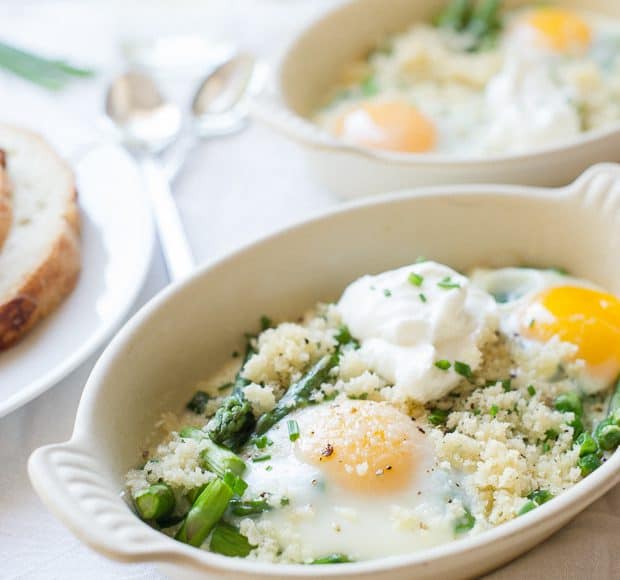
(252, 184)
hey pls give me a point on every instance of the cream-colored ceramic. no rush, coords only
(312, 64)
(191, 328)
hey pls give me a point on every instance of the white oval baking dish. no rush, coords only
(315, 59)
(190, 329)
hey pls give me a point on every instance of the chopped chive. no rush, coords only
(462, 369)
(344, 337)
(265, 323)
(422, 297)
(241, 508)
(528, 506)
(493, 410)
(284, 500)
(225, 386)
(369, 86)
(293, 430)
(416, 279)
(443, 364)
(269, 468)
(261, 458)
(531, 390)
(447, 283)
(262, 442)
(387, 292)
(438, 416)
(476, 412)
(551, 434)
(198, 402)
(507, 385)
(464, 523)
(333, 559)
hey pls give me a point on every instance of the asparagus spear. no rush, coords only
(298, 394)
(155, 502)
(485, 18)
(455, 15)
(206, 512)
(220, 460)
(214, 457)
(234, 421)
(227, 540)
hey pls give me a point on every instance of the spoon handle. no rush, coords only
(177, 253)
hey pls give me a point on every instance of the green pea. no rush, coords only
(588, 463)
(528, 506)
(607, 435)
(587, 444)
(569, 403)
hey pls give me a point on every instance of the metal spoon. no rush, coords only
(219, 107)
(148, 125)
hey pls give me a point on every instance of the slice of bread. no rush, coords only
(5, 200)
(40, 259)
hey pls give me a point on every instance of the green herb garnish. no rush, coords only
(333, 559)
(447, 283)
(415, 279)
(293, 430)
(462, 369)
(51, 74)
(198, 402)
(443, 364)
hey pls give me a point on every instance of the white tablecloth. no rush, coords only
(230, 192)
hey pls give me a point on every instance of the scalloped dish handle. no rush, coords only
(66, 479)
(598, 187)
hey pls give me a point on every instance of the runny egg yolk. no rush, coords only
(561, 30)
(390, 125)
(362, 446)
(586, 318)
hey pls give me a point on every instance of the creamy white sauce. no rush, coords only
(404, 329)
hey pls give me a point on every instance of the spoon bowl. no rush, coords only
(146, 121)
(219, 106)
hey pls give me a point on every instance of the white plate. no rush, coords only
(117, 244)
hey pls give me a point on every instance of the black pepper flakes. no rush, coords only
(329, 449)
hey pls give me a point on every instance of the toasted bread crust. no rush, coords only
(5, 200)
(47, 285)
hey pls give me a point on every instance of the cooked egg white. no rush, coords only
(410, 318)
(357, 467)
(538, 305)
